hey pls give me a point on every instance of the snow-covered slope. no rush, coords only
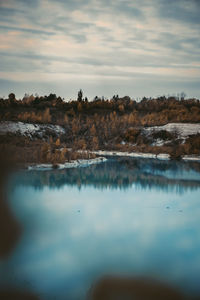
(28, 129)
(182, 129)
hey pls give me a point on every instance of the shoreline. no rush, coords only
(160, 156)
(67, 165)
(102, 158)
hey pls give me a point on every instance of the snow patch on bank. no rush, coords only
(28, 129)
(161, 156)
(191, 157)
(128, 154)
(66, 165)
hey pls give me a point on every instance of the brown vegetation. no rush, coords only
(24, 151)
(53, 109)
(115, 124)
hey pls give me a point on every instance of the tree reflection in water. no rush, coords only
(122, 173)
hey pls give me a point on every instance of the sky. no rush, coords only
(105, 47)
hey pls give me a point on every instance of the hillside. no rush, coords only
(49, 129)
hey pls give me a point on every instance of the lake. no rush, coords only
(130, 217)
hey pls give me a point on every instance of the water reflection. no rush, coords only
(121, 174)
(128, 217)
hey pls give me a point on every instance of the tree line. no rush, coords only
(55, 110)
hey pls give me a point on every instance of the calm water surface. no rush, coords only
(137, 217)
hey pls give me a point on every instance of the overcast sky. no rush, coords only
(106, 47)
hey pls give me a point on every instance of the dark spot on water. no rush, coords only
(167, 207)
(180, 210)
(78, 210)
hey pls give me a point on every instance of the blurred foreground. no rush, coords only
(107, 288)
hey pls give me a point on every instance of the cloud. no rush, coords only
(11, 3)
(25, 30)
(8, 11)
(180, 10)
(101, 39)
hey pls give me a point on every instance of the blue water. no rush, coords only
(125, 216)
